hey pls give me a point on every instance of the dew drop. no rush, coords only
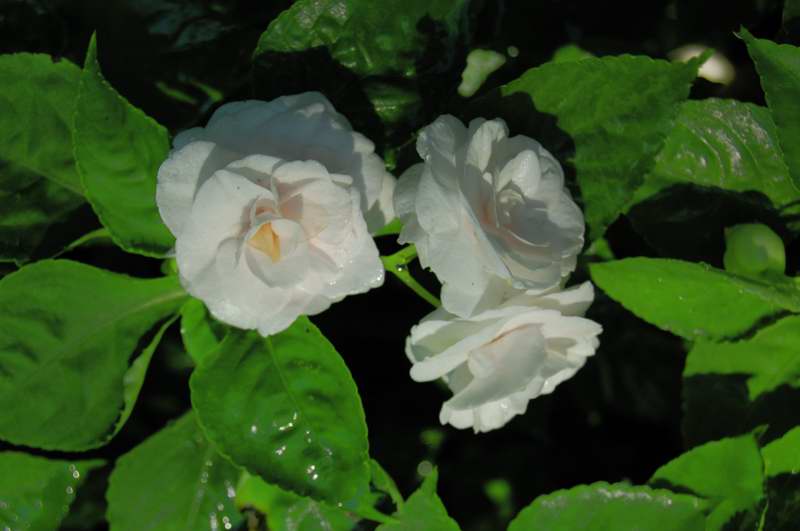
(253, 429)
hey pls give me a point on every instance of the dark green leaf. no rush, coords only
(174, 480)
(728, 473)
(286, 511)
(600, 507)
(118, 149)
(35, 493)
(615, 113)
(423, 510)
(67, 333)
(692, 300)
(782, 466)
(778, 66)
(727, 144)
(286, 408)
(201, 334)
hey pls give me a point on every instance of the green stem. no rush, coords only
(397, 264)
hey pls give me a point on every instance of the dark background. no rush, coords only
(618, 419)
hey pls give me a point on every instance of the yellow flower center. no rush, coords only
(266, 241)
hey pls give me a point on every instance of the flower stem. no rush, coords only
(397, 264)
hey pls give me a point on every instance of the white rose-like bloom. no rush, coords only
(499, 359)
(267, 204)
(487, 213)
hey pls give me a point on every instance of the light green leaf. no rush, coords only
(782, 464)
(67, 333)
(286, 408)
(286, 511)
(692, 300)
(201, 334)
(423, 510)
(118, 150)
(37, 100)
(616, 111)
(600, 507)
(778, 66)
(174, 481)
(384, 483)
(366, 37)
(727, 144)
(728, 473)
(35, 493)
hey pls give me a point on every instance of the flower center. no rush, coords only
(266, 241)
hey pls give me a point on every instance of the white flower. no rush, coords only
(498, 360)
(267, 206)
(488, 213)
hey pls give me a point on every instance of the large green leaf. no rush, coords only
(727, 144)
(118, 150)
(600, 507)
(778, 66)
(615, 112)
(286, 408)
(37, 100)
(35, 493)
(728, 473)
(692, 300)
(782, 466)
(175, 481)
(733, 387)
(67, 334)
(423, 510)
(286, 511)
(201, 334)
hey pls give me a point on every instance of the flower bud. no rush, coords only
(753, 249)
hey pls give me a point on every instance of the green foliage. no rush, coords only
(384, 483)
(286, 408)
(727, 473)
(782, 468)
(423, 510)
(754, 249)
(118, 150)
(201, 334)
(778, 66)
(603, 506)
(35, 493)
(286, 511)
(692, 300)
(633, 101)
(68, 354)
(174, 480)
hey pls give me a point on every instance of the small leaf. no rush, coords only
(778, 66)
(384, 483)
(201, 334)
(692, 300)
(118, 149)
(35, 493)
(728, 473)
(613, 114)
(423, 510)
(286, 408)
(174, 480)
(600, 507)
(67, 333)
(782, 466)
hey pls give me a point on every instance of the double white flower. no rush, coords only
(490, 215)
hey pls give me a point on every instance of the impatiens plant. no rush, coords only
(421, 265)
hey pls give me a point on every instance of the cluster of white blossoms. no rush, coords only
(272, 205)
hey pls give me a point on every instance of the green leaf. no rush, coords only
(384, 483)
(782, 465)
(286, 408)
(778, 66)
(423, 511)
(692, 300)
(29, 205)
(35, 493)
(603, 506)
(727, 144)
(118, 149)
(200, 332)
(616, 113)
(174, 480)
(37, 100)
(67, 333)
(286, 511)
(728, 473)
(369, 38)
